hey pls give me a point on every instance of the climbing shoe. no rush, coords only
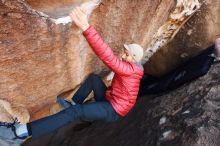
(12, 133)
(64, 103)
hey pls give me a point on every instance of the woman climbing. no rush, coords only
(111, 103)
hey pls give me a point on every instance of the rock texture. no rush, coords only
(188, 116)
(198, 33)
(40, 60)
(183, 11)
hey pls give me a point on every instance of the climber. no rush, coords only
(111, 103)
(115, 105)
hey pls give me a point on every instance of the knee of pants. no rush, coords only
(74, 112)
(93, 76)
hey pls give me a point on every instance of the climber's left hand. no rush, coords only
(79, 17)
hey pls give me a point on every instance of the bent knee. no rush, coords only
(93, 76)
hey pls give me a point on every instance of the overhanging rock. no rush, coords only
(40, 60)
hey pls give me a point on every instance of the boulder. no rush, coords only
(40, 60)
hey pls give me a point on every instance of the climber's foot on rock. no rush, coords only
(64, 103)
(13, 133)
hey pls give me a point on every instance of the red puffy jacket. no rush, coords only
(122, 94)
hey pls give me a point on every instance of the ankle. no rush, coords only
(72, 102)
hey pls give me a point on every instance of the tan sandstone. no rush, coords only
(40, 60)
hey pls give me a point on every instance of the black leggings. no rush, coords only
(188, 71)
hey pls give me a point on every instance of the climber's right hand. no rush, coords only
(79, 17)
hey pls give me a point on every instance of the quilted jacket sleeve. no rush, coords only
(105, 53)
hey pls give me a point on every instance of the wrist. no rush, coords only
(85, 27)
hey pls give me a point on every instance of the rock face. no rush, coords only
(40, 60)
(188, 116)
(198, 33)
